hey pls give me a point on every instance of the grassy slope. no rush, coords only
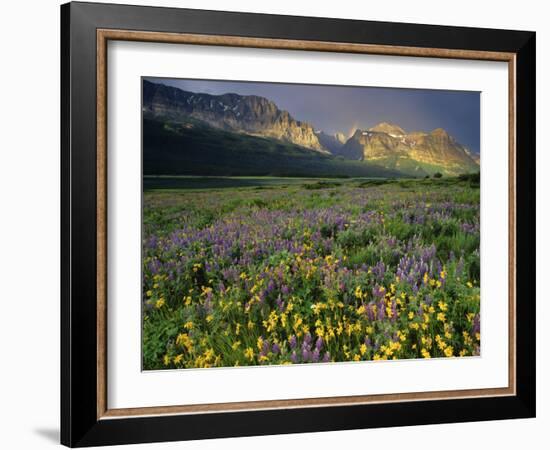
(173, 149)
(414, 168)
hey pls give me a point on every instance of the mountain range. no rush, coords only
(236, 134)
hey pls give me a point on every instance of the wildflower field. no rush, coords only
(257, 271)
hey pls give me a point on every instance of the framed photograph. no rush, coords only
(276, 224)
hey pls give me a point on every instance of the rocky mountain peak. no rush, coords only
(340, 137)
(440, 135)
(388, 128)
(439, 132)
(418, 152)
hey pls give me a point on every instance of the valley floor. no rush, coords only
(263, 270)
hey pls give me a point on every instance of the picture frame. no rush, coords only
(86, 30)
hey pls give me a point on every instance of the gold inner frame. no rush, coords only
(104, 35)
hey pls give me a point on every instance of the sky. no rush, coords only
(346, 108)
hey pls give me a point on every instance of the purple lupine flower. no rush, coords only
(370, 311)
(319, 343)
(393, 310)
(292, 341)
(460, 266)
(280, 303)
(381, 310)
(276, 349)
(262, 297)
(305, 354)
(326, 357)
(476, 326)
(315, 355)
(294, 357)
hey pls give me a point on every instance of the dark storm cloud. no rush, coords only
(343, 108)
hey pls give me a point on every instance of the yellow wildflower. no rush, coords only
(159, 303)
(318, 307)
(249, 353)
(184, 340)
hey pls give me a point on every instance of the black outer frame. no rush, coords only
(79, 424)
